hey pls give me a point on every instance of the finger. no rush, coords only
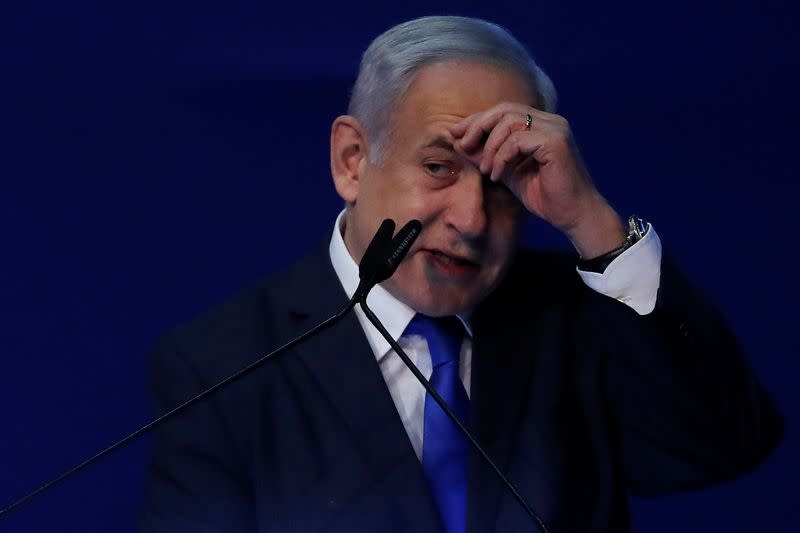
(483, 124)
(476, 130)
(474, 157)
(458, 129)
(465, 122)
(518, 146)
(479, 125)
(507, 125)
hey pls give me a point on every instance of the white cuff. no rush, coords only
(632, 278)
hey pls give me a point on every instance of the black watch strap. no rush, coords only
(637, 229)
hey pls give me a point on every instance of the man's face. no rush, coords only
(469, 224)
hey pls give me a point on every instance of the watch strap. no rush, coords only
(637, 229)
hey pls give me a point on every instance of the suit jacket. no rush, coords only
(577, 398)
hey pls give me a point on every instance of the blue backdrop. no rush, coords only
(155, 159)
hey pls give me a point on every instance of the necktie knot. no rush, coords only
(443, 334)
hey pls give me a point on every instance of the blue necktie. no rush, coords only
(444, 448)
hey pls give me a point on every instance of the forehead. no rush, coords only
(453, 90)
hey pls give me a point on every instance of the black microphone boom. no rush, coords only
(380, 260)
(438, 399)
(374, 262)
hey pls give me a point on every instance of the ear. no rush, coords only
(349, 150)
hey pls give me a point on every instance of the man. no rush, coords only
(580, 386)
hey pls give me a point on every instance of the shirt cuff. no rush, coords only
(632, 278)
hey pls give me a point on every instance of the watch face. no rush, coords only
(637, 228)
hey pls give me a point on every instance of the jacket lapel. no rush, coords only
(519, 393)
(345, 369)
(500, 377)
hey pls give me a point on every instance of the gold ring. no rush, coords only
(528, 121)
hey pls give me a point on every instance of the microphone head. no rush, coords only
(400, 246)
(378, 249)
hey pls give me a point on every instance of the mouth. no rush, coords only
(450, 264)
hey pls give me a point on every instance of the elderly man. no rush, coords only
(581, 386)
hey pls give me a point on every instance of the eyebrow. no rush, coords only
(440, 142)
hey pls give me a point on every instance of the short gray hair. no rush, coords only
(391, 61)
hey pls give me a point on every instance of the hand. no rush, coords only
(543, 169)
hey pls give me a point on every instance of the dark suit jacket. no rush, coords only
(574, 395)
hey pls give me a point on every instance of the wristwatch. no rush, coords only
(637, 229)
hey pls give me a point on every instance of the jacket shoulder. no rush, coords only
(243, 327)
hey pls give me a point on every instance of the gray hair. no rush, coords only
(391, 61)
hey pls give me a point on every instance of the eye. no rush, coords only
(440, 170)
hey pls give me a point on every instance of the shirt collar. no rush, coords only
(393, 314)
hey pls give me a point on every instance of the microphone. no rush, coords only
(401, 244)
(376, 265)
(377, 250)
(385, 268)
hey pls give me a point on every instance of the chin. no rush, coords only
(436, 308)
(432, 298)
(449, 301)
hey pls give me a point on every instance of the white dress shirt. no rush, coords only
(632, 278)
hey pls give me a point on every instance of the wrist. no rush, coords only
(637, 229)
(598, 231)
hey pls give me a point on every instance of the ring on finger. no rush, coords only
(528, 121)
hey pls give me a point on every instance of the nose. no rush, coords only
(467, 210)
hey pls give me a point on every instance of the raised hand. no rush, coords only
(534, 154)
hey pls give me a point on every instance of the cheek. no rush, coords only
(505, 214)
(394, 184)
(423, 205)
(414, 199)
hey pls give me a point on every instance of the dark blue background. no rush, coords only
(153, 159)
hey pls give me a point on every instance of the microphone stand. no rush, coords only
(435, 395)
(188, 403)
(375, 266)
(380, 260)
